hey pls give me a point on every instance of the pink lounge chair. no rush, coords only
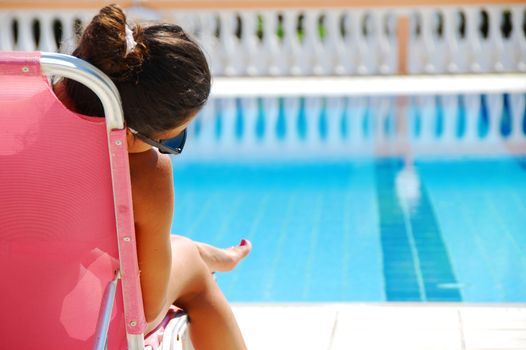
(68, 261)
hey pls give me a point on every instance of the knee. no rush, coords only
(199, 294)
(192, 273)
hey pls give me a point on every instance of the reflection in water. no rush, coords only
(408, 188)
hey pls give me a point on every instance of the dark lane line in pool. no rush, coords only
(439, 279)
(406, 274)
(398, 264)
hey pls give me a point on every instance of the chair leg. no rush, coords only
(176, 335)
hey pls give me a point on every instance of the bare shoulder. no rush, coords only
(152, 186)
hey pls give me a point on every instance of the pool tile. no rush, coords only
(382, 326)
(484, 339)
(504, 318)
(398, 327)
(286, 327)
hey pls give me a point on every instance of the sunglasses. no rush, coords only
(172, 145)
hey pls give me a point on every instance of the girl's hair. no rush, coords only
(162, 80)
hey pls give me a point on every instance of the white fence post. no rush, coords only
(6, 35)
(272, 46)
(47, 40)
(519, 37)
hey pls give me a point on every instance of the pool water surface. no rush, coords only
(362, 231)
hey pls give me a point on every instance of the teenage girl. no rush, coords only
(163, 80)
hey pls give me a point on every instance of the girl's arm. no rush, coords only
(153, 205)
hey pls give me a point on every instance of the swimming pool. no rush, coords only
(369, 227)
(343, 231)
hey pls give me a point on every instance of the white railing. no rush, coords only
(339, 41)
(354, 125)
(297, 42)
(468, 39)
(44, 30)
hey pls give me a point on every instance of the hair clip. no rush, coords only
(130, 41)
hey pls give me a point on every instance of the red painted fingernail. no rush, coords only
(243, 242)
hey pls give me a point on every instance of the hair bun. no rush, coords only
(105, 44)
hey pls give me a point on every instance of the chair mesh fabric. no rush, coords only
(58, 246)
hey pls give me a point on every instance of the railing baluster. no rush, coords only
(26, 41)
(292, 55)
(366, 43)
(414, 58)
(271, 45)
(519, 36)
(6, 34)
(250, 45)
(47, 38)
(473, 38)
(348, 49)
(388, 52)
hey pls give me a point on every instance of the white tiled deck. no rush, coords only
(383, 326)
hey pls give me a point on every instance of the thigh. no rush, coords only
(188, 276)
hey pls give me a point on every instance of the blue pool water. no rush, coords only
(369, 230)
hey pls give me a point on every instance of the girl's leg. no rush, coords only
(223, 260)
(192, 286)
